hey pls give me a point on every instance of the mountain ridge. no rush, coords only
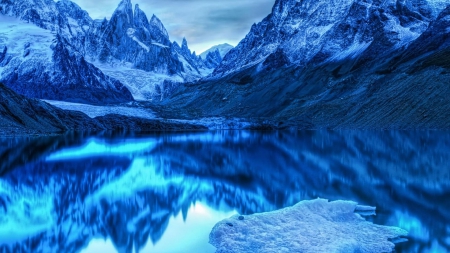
(386, 81)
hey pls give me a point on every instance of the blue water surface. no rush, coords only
(163, 192)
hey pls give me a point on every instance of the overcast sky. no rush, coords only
(204, 23)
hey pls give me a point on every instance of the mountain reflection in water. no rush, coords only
(143, 192)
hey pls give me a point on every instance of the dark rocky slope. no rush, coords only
(21, 115)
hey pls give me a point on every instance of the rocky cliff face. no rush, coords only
(126, 37)
(213, 59)
(131, 40)
(214, 56)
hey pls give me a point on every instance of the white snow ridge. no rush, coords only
(308, 227)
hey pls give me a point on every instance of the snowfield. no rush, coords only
(308, 227)
(23, 39)
(96, 111)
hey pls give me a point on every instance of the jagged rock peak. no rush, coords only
(223, 50)
(140, 19)
(184, 46)
(215, 55)
(184, 43)
(176, 45)
(126, 7)
(156, 22)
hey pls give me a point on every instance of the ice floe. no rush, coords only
(309, 226)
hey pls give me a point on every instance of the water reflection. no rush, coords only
(133, 192)
(184, 233)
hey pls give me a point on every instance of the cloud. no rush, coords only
(204, 23)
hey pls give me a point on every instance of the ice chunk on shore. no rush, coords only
(309, 226)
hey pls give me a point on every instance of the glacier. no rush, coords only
(309, 227)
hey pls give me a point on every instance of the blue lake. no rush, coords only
(163, 192)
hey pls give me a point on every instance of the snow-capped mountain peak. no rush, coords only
(316, 31)
(223, 50)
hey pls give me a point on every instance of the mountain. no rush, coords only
(127, 57)
(126, 37)
(318, 32)
(222, 48)
(339, 64)
(130, 42)
(41, 61)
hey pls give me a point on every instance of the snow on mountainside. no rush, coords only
(96, 111)
(43, 13)
(37, 63)
(129, 41)
(317, 31)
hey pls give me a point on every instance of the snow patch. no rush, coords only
(17, 34)
(404, 34)
(130, 33)
(352, 52)
(159, 45)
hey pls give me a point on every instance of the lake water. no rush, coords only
(163, 192)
